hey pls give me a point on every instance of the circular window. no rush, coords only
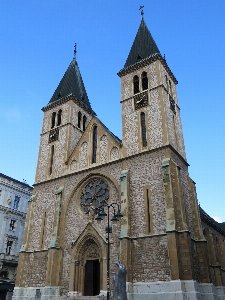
(95, 193)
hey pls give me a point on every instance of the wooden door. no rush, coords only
(92, 278)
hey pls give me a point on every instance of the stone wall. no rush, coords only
(150, 261)
(33, 267)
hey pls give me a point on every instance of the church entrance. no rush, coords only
(92, 278)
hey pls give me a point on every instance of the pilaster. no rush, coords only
(125, 255)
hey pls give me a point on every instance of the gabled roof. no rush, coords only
(143, 46)
(118, 140)
(71, 84)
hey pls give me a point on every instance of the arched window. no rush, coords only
(94, 144)
(166, 78)
(53, 119)
(84, 122)
(144, 79)
(59, 119)
(79, 119)
(51, 161)
(143, 130)
(4, 274)
(136, 84)
(170, 89)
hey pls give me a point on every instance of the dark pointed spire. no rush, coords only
(72, 84)
(143, 46)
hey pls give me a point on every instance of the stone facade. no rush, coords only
(169, 250)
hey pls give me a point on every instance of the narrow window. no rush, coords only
(84, 123)
(43, 230)
(143, 130)
(136, 84)
(175, 132)
(166, 82)
(52, 157)
(9, 247)
(59, 118)
(16, 202)
(79, 119)
(170, 89)
(94, 144)
(53, 119)
(12, 224)
(148, 209)
(4, 274)
(144, 79)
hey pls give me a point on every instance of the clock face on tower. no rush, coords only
(53, 135)
(141, 100)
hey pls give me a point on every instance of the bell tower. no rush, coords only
(66, 118)
(150, 110)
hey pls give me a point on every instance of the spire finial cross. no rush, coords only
(75, 50)
(142, 12)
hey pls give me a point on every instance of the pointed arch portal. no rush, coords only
(88, 263)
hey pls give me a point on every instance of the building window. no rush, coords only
(43, 230)
(95, 193)
(148, 209)
(4, 274)
(84, 122)
(9, 247)
(53, 119)
(94, 144)
(16, 202)
(136, 84)
(143, 130)
(166, 78)
(59, 118)
(170, 89)
(12, 224)
(79, 119)
(144, 79)
(51, 161)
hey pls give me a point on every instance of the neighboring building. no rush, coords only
(172, 249)
(14, 196)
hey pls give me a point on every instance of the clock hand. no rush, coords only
(140, 99)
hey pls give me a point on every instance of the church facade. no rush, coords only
(172, 249)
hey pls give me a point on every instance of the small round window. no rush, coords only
(95, 193)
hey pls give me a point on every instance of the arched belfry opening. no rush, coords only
(88, 263)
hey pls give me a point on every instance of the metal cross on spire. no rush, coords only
(75, 50)
(142, 12)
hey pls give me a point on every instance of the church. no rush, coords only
(171, 248)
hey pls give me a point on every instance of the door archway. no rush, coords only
(88, 263)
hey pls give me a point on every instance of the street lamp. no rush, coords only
(116, 217)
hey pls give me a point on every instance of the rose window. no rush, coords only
(95, 193)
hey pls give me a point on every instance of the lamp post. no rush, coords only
(116, 217)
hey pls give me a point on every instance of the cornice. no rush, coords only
(66, 99)
(9, 210)
(146, 62)
(17, 188)
(115, 161)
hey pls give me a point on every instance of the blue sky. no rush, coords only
(37, 39)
